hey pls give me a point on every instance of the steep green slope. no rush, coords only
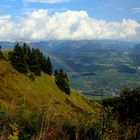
(39, 104)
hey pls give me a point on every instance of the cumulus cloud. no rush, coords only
(46, 1)
(75, 25)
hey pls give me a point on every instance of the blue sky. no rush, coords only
(105, 10)
(100, 9)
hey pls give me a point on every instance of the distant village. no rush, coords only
(102, 91)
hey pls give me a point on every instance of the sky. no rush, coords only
(35, 20)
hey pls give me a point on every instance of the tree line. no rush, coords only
(31, 60)
(1, 54)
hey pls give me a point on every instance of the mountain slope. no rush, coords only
(109, 65)
(21, 98)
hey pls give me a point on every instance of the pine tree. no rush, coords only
(42, 61)
(61, 73)
(18, 60)
(59, 80)
(44, 64)
(29, 57)
(25, 49)
(66, 84)
(62, 81)
(66, 78)
(24, 58)
(49, 66)
(1, 55)
(34, 64)
(55, 73)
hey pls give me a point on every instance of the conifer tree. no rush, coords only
(34, 64)
(18, 60)
(1, 55)
(29, 57)
(66, 84)
(44, 65)
(49, 66)
(24, 58)
(62, 81)
(66, 78)
(25, 48)
(56, 72)
(59, 80)
(42, 61)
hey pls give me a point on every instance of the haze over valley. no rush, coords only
(94, 67)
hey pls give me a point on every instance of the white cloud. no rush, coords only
(38, 25)
(46, 1)
(136, 10)
(5, 18)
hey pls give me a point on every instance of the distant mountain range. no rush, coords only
(52, 44)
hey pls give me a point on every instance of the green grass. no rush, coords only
(18, 93)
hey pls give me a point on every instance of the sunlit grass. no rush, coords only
(18, 90)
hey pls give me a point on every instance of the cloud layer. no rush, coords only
(75, 25)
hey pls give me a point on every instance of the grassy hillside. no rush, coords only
(36, 109)
(39, 104)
